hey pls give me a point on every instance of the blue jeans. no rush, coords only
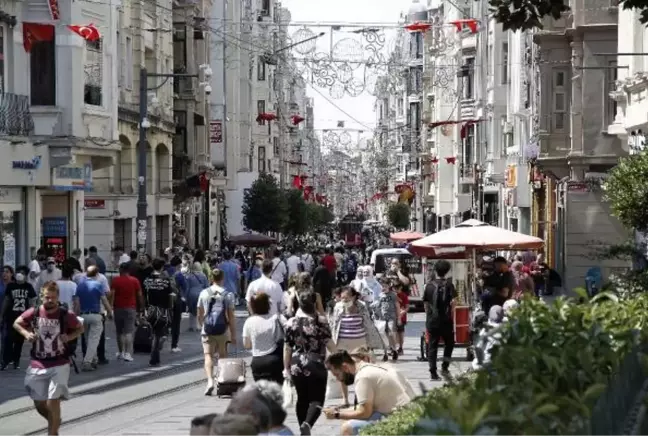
(359, 424)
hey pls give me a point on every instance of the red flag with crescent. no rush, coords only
(89, 32)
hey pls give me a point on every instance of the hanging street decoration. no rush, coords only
(468, 23)
(89, 32)
(266, 116)
(418, 27)
(451, 160)
(296, 119)
(55, 11)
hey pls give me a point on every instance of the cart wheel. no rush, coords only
(470, 355)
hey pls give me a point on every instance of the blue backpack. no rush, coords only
(216, 318)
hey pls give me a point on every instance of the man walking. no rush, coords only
(438, 300)
(159, 297)
(50, 328)
(91, 295)
(124, 297)
(268, 286)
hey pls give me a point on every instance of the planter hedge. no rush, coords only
(554, 363)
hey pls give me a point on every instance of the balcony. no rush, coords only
(15, 118)
(595, 12)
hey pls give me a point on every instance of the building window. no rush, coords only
(261, 160)
(3, 64)
(415, 81)
(265, 8)
(261, 69)
(42, 60)
(93, 70)
(610, 104)
(505, 64)
(275, 146)
(251, 159)
(180, 57)
(416, 45)
(559, 102)
(468, 152)
(261, 108)
(128, 64)
(469, 78)
(269, 165)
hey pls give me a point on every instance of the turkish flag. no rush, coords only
(297, 182)
(89, 32)
(296, 119)
(36, 32)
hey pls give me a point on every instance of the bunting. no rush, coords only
(469, 23)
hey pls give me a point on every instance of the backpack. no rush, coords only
(216, 322)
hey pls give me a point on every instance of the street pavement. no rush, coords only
(170, 413)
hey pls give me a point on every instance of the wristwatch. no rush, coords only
(337, 414)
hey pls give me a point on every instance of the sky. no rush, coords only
(337, 11)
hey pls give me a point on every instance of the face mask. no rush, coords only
(50, 267)
(348, 378)
(20, 277)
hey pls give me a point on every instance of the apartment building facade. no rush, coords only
(140, 41)
(58, 123)
(577, 148)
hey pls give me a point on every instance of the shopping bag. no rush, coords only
(288, 391)
(381, 326)
(333, 388)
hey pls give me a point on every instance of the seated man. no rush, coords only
(378, 392)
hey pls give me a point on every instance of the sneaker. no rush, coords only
(119, 355)
(127, 357)
(87, 367)
(394, 354)
(176, 350)
(209, 389)
(400, 351)
(305, 429)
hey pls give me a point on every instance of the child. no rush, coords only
(387, 310)
(403, 303)
(337, 296)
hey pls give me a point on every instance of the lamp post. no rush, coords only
(142, 204)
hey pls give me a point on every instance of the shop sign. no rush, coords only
(74, 177)
(31, 164)
(55, 227)
(215, 132)
(90, 203)
(511, 176)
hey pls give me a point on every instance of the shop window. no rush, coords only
(9, 237)
(262, 160)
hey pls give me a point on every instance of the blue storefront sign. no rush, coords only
(72, 177)
(54, 227)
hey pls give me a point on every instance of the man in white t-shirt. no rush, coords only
(293, 263)
(215, 294)
(51, 273)
(120, 256)
(67, 288)
(267, 285)
(279, 271)
(35, 269)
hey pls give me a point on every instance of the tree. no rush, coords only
(264, 205)
(627, 191)
(296, 222)
(527, 14)
(398, 215)
(318, 216)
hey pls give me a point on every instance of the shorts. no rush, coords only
(125, 321)
(44, 384)
(358, 424)
(401, 328)
(215, 344)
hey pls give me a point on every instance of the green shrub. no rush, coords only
(554, 363)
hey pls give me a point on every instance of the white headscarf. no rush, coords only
(370, 283)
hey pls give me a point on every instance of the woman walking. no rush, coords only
(262, 332)
(307, 337)
(196, 282)
(352, 328)
(302, 282)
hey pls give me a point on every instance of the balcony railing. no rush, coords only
(15, 118)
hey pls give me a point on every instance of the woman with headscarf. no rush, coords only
(196, 282)
(371, 288)
(522, 282)
(352, 327)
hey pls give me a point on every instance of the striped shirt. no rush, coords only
(352, 327)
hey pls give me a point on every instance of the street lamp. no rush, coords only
(144, 125)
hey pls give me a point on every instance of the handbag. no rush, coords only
(289, 394)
